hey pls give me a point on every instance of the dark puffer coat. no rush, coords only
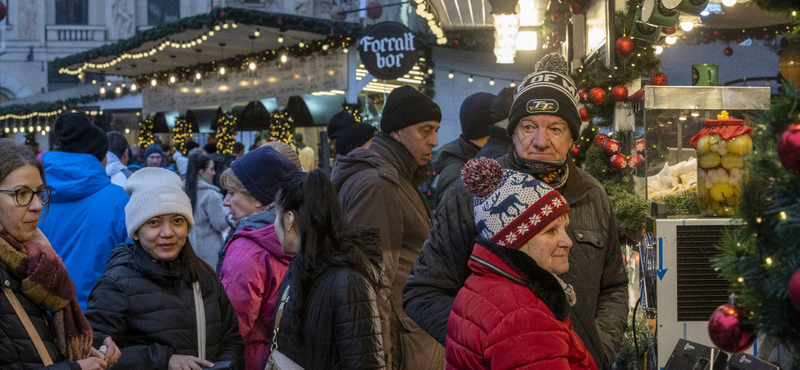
(342, 327)
(148, 310)
(448, 162)
(596, 270)
(16, 348)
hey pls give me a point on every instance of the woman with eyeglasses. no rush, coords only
(32, 274)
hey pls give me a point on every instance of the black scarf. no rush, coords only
(553, 173)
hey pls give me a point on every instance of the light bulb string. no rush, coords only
(439, 66)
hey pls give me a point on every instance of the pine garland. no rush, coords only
(584, 143)
(226, 133)
(428, 75)
(181, 132)
(681, 203)
(641, 61)
(627, 357)
(71, 103)
(146, 137)
(354, 109)
(281, 126)
(759, 258)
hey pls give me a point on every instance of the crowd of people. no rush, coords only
(192, 260)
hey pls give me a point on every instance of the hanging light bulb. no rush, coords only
(512, 84)
(102, 90)
(133, 86)
(222, 70)
(687, 26)
(15, 130)
(38, 128)
(47, 128)
(450, 75)
(172, 79)
(127, 131)
(198, 76)
(153, 82)
(118, 90)
(283, 58)
(729, 2)
(252, 66)
(491, 82)
(257, 33)
(470, 79)
(671, 40)
(301, 44)
(280, 39)
(7, 130)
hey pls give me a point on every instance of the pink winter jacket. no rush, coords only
(252, 271)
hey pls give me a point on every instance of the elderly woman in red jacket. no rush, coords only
(512, 312)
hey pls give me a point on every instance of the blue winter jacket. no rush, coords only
(86, 218)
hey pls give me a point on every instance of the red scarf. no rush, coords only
(45, 282)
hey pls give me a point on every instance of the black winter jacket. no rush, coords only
(448, 162)
(596, 270)
(16, 348)
(148, 310)
(497, 145)
(342, 327)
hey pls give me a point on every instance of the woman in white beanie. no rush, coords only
(148, 296)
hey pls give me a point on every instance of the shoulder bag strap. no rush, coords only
(278, 317)
(200, 312)
(26, 322)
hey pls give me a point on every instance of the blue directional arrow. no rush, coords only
(661, 270)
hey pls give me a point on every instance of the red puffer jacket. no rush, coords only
(498, 322)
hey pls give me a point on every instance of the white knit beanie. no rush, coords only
(154, 192)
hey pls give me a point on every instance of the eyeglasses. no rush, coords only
(24, 196)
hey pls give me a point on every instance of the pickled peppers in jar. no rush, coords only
(721, 149)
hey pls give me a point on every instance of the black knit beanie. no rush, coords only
(405, 106)
(262, 171)
(353, 136)
(502, 104)
(476, 115)
(338, 122)
(548, 90)
(153, 149)
(76, 134)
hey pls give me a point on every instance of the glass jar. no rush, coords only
(721, 149)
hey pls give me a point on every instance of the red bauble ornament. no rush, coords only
(566, 15)
(669, 31)
(611, 147)
(575, 150)
(576, 7)
(794, 290)
(717, 33)
(555, 17)
(374, 10)
(583, 96)
(789, 148)
(639, 146)
(222, 14)
(740, 39)
(706, 40)
(597, 95)
(769, 36)
(658, 79)
(636, 161)
(618, 162)
(727, 329)
(585, 116)
(624, 45)
(619, 93)
(600, 139)
(3, 11)
(728, 51)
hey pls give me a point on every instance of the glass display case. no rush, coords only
(670, 117)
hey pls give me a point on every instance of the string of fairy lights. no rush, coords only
(452, 72)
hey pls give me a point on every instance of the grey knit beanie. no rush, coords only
(287, 151)
(154, 192)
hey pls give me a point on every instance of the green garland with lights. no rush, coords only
(627, 69)
(759, 258)
(146, 137)
(67, 104)
(181, 132)
(284, 22)
(226, 133)
(281, 126)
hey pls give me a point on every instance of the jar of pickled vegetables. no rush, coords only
(721, 148)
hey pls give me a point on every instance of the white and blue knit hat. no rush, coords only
(510, 207)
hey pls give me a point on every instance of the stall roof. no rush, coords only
(227, 33)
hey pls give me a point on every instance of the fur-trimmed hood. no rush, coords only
(488, 257)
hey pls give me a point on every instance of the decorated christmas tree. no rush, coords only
(226, 133)
(280, 127)
(146, 137)
(181, 133)
(761, 259)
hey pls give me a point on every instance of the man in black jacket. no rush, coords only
(499, 141)
(543, 121)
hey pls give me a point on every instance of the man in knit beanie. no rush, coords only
(86, 219)
(348, 133)
(476, 118)
(378, 188)
(543, 121)
(499, 140)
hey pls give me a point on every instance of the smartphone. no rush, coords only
(221, 365)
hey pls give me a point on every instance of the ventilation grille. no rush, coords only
(700, 289)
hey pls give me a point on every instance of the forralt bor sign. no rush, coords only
(387, 50)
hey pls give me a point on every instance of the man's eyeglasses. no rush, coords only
(24, 196)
